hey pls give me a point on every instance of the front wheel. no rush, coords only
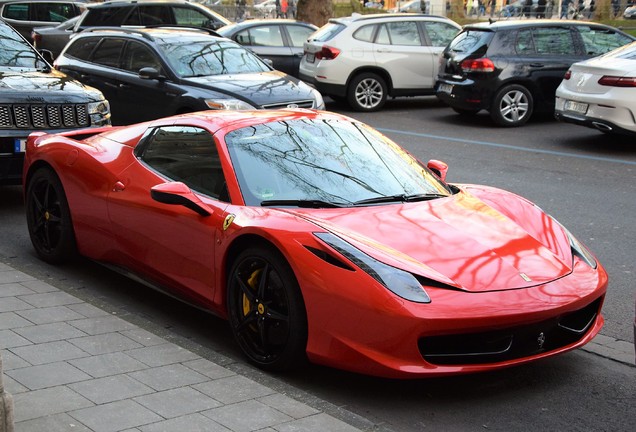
(266, 310)
(512, 106)
(49, 218)
(367, 92)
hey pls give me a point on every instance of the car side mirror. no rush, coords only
(177, 193)
(149, 73)
(439, 168)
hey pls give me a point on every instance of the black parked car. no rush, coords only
(278, 40)
(513, 68)
(156, 72)
(25, 15)
(34, 97)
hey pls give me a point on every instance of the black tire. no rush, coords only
(367, 92)
(512, 106)
(266, 310)
(49, 218)
(466, 112)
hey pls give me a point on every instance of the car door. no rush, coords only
(399, 49)
(296, 35)
(267, 42)
(171, 244)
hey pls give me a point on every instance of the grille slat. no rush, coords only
(296, 104)
(43, 116)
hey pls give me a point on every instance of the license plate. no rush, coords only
(311, 58)
(446, 88)
(19, 145)
(577, 107)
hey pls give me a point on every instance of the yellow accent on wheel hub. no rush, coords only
(261, 309)
(252, 281)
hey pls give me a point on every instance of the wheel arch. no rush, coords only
(382, 73)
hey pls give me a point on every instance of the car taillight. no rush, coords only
(567, 75)
(478, 65)
(327, 53)
(614, 81)
(36, 37)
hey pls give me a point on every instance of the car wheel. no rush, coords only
(48, 218)
(512, 106)
(367, 92)
(466, 112)
(266, 310)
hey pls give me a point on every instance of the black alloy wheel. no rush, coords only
(48, 218)
(266, 310)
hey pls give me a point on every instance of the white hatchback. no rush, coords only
(363, 59)
(601, 92)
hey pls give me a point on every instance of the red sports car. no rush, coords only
(317, 237)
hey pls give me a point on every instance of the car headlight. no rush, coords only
(228, 104)
(401, 283)
(99, 112)
(580, 250)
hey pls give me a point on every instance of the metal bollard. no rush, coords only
(6, 406)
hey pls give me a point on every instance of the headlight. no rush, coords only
(99, 113)
(401, 283)
(580, 250)
(228, 104)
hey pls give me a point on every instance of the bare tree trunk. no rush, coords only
(316, 12)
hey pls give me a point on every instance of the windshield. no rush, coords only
(192, 58)
(324, 161)
(15, 52)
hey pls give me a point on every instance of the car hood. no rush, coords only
(461, 241)
(54, 87)
(264, 88)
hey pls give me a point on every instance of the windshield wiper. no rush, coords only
(307, 203)
(399, 198)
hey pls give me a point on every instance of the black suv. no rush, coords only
(513, 68)
(33, 97)
(157, 72)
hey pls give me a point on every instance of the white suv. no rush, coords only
(363, 59)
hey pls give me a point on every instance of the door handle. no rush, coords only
(537, 65)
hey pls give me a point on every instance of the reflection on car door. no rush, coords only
(268, 43)
(171, 244)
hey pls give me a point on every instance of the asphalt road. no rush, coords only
(585, 179)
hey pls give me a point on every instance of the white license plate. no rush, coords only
(19, 145)
(577, 107)
(446, 88)
(311, 58)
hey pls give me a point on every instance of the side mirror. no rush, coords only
(149, 73)
(177, 193)
(439, 168)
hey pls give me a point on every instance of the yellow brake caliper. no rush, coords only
(252, 282)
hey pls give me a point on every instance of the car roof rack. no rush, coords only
(138, 30)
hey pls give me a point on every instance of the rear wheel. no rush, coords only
(367, 92)
(266, 310)
(49, 218)
(512, 106)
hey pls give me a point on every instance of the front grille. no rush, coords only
(292, 104)
(510, 343)
(43, 116)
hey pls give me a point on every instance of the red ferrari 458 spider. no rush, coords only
(317, 237)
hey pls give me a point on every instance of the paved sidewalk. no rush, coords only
(72, 367)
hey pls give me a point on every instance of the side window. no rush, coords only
(190, 17)
(440, 34)
(404, 33)
(553, 41)
(54, 12)
(299, 34)
(154, 15)
(16, 11)
(82, 48)
(109, 52)
(597, 41)
(137, 56)
(364, 33)
(187, 154)
(524, 43)
(266, 36)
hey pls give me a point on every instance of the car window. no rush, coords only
(365, 33)
(547, 41)
(598, 41)
(261, 36)
(14, 51)
(109, 52)
(82, 48)
(187, 154)
(16, 11)
(327, 32)
(470, 41)
(299, 34)
(110, 16)
(404, 33)
(154, 15)
(138, 56)
(190, 17)
(440, 33)
(54, 12)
